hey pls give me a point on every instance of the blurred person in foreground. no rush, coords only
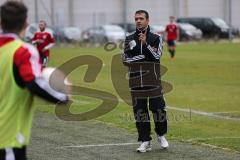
(172, 36)
(20, 79)
(44, 41)
(142, 52)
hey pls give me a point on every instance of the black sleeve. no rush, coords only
(127, 56)
(41, 88)
(155, 50)
(126, 53)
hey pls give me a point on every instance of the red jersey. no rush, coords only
(25, 60)
(27, 70)
(171, 30)
(46, 42)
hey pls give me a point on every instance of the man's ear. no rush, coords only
(25, 25)
(22, 32)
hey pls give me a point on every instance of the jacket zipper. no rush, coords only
(155, 70)
(141, 67)
(141, 76)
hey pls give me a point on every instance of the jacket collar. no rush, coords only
(142, 30)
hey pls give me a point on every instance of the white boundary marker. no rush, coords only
(185, 141)
(100, 145)
(208, 114)
(188, 110)
(212, 138)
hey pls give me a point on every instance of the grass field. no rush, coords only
(205, 78)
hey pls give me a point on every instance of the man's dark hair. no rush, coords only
(13, 16)
(143, 11)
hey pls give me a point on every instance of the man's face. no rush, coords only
(42, 26)
(172, 19)
(141, 21)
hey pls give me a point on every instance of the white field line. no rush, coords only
(188, 110)
(208, 114)
(216, 147)
(128, 144)
(212, 138)
(197, 139)
(226, 112)
(100, 145)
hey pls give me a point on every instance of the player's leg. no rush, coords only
(142, 119)
(171, 49)
(157, 106)
(20, 153)
(143, 125)
(2, 154)
(41, 58)
(13, 153)
(172, 52)
(45, 61)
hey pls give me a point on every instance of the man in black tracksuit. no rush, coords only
(142, 51)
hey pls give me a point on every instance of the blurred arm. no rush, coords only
(27, 73)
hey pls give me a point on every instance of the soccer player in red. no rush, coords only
(172, 35)
(44, 41)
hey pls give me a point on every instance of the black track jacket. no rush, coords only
(143, 60)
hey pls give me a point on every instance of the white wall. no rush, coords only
(206, 8)
(88, 13)
(159, 10)
(92, 12)
(236, 13)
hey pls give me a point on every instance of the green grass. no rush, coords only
(205, 77)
